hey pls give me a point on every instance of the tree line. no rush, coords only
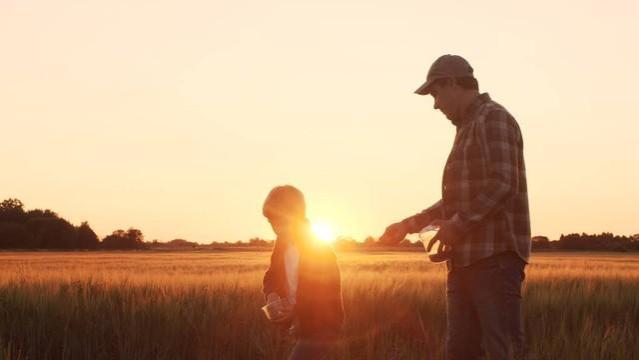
(605, 241)
(585, 242)
(341, 243)
(45, 229)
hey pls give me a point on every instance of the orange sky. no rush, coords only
(177, 117)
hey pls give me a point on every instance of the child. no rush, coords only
(303, 276)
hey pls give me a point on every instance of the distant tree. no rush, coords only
(12, 210)
(370, 242)
(346, 243)
(120, 239)
(258, 242)
(604, 241)
(11, 203)
(87, 239)
(36, 213)
(52, 233)
(15, 236)
(181, 243)
(61, 235)
(135, 236)
(540, 242)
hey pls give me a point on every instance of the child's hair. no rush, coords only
(284, 201)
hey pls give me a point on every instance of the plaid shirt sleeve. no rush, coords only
(500, 143)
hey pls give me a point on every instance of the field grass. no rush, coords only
(181, 305)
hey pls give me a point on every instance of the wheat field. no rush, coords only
(205, 305)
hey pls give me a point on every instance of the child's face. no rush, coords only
(282, 225)
(278, 224)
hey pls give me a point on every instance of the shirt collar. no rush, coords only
(470, 111)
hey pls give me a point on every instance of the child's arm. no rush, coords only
(270, 285)
(274, 282)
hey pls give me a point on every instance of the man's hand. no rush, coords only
(394, 234)
(447, 235)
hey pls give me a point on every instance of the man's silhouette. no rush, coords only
(483, 217)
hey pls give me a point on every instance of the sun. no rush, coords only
(323, 232)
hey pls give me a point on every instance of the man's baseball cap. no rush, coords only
(446, 66)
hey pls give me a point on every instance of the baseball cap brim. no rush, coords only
(425, 88)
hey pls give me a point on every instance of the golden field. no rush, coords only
(206, 305)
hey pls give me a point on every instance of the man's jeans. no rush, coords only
(484, 309)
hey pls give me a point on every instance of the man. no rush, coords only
(483, 217)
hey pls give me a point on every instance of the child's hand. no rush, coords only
(280, 310)
(284, 317)
(285, 313)
(272, 297)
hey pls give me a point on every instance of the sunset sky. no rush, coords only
(177, 117)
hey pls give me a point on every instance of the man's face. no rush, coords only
(446, 98)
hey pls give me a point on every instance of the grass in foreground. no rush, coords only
(206, 306)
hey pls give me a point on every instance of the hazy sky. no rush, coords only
(177, 117)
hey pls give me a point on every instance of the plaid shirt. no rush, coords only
(484, 187)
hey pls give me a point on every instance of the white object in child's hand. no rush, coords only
(276, 309)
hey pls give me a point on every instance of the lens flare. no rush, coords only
(323, 232)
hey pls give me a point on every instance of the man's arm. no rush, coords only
(397, 232)
(418, 221)
(500, 140)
